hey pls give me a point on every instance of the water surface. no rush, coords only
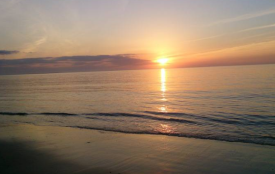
(221, 103)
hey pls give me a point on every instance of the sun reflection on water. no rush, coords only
(165, 128)
(163, 108)
(163, 89)
(163, 80)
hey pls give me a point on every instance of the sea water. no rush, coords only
(234, 104)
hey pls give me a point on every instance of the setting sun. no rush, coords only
(162, 61)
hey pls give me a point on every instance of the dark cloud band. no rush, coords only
(72, 64)
(7, 52)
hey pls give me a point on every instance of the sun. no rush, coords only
(163, 61)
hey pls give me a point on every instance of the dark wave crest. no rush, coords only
(204, 121)
(144, 117)
(58, 113)
(44, 113)
(244, 120)
(235, 119)
(190, 135)
(14, 113)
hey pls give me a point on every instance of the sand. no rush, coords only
(29, 149)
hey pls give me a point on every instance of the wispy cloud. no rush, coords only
(236, 32)
(32, 46)
(8, 52)
(207, 38)
(271, 41)
(256, 28)
(244, 17)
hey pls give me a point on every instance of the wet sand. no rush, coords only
(28, 149)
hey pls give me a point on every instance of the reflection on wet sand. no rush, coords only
(165, 128)
(29, 149)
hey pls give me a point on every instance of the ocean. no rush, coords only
(233, 103)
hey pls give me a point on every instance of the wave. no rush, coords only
(144, 117)
(243, 120)
(58, 113)
(44, 113)
(190, 135)
(14, 113)
(236, 119)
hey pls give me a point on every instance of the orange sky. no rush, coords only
(189, 33)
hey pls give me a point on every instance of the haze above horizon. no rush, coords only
(67, 35)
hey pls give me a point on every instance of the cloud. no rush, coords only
(33, 45)
(236, 32)
(72, 64)
(257, 28)
(231, 61)
(244, 17)
(7, 52)
(250, 46)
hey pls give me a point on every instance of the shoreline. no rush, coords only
(47, 149)
(171, 135)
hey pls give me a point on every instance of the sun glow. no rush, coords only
(162, 61)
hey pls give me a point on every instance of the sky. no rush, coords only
(39, 36)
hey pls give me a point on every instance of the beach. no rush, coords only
(49, 149)
(168, 121)
(137, 87)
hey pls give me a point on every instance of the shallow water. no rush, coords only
(222, 103)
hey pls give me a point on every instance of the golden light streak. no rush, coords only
(163, 108)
